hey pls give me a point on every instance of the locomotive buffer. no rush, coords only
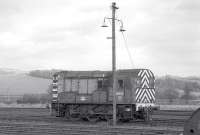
(113, 55)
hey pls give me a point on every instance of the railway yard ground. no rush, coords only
(37, 121)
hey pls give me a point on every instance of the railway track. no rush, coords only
(38, 121)
(24, 128)
(170, 117)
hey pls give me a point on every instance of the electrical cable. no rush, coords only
(126, 46)
(128, 51)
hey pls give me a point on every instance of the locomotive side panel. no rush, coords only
(83, 98)
(92, 92)
(82, 89)
(67, 97)
(67, 83)
(126, 84)
(92, 85)
(99, 97)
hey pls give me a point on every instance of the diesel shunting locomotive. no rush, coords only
(88, 94)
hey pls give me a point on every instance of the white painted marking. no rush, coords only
(55, 95)
(152, 95)
(139, 74)
(137, 90)
(145, 84)
(145, 78)
(83, 98)
(119, 93)
(150, 73)
(140, 93)
(147, 73)
(54, 89)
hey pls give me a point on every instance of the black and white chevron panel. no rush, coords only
(55, 88)
(144, 93)
(145, 76)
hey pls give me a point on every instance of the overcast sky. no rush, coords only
(162, 35)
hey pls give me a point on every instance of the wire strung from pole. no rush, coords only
(110, 21)
(126, 46)
(127, 49)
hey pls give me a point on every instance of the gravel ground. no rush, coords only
(37, 121)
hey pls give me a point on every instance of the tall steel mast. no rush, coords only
(114, 62)
(114, 57)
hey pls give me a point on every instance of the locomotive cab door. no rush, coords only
(120, 91)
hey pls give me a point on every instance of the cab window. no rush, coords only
(121, 84)
(100, 84)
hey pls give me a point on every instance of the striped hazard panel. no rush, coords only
(55, 88)
(144, 95)
(146, 92)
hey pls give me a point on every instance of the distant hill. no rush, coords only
(37, 81)
(177, 87)
(15, 82)
(46, 74)
(9, 71)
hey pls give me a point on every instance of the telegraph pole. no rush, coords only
(114, 63)
(114, 87)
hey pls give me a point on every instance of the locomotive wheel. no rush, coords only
(109, 119)
(84, 117)
(92, 118)
(124, 120)
(103, 118)
(67, 114)
(74, 117)
(106, 118)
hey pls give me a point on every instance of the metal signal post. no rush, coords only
(114, 57)
(114, 63)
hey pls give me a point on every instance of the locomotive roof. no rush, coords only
(98, 73)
